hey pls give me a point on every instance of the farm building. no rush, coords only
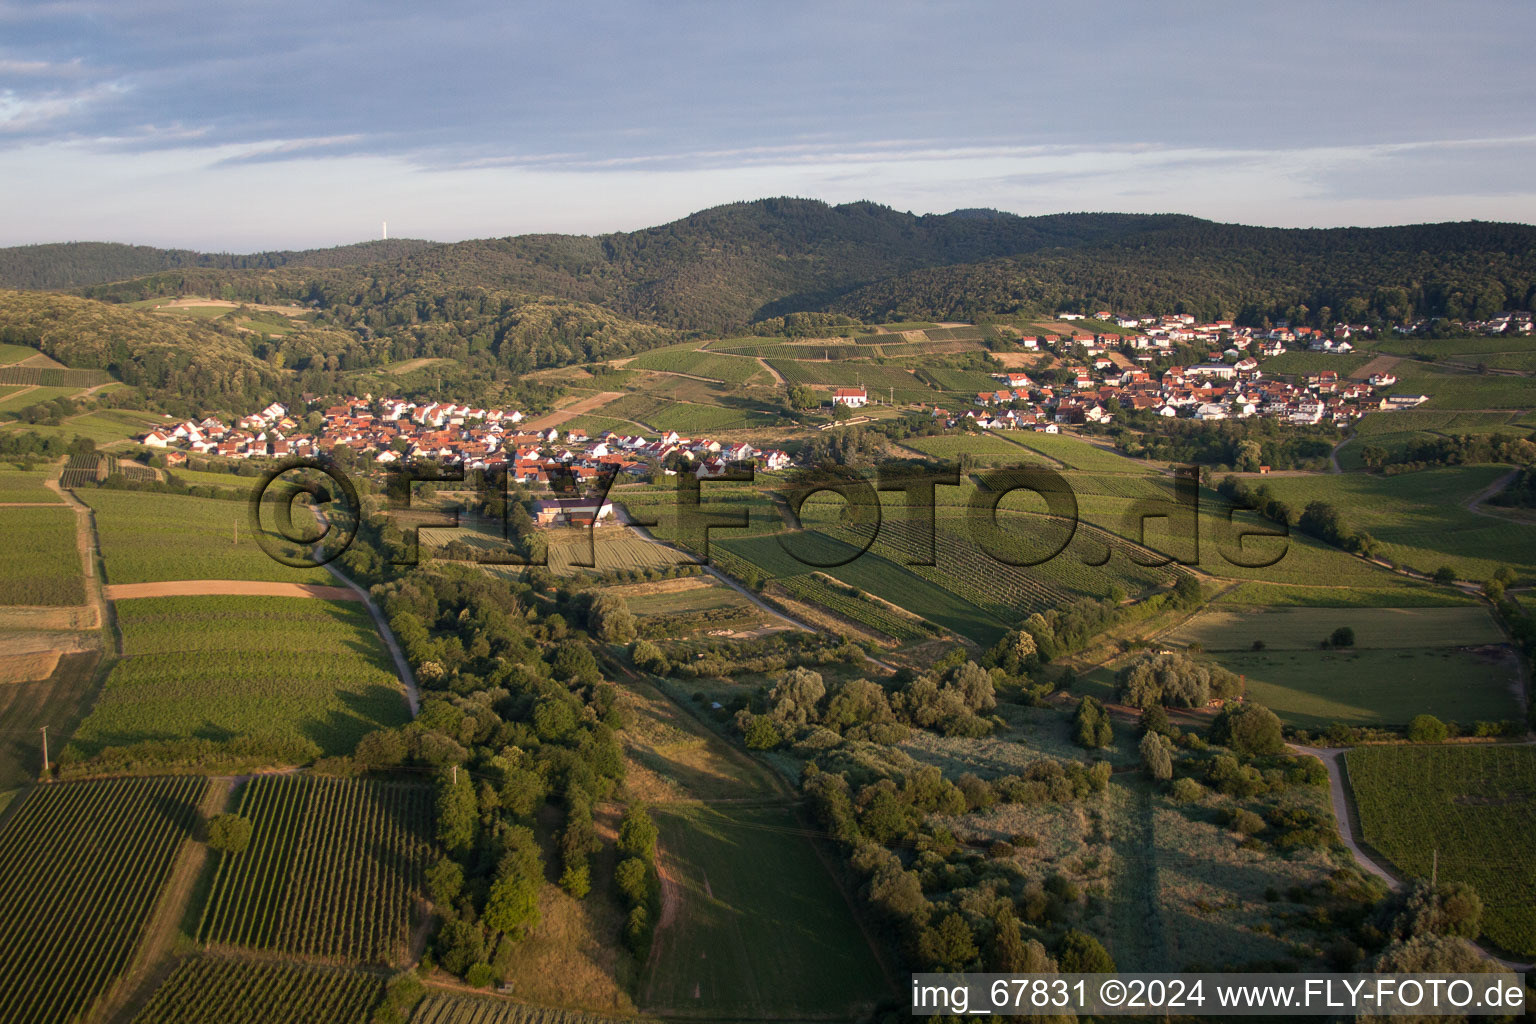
(570, 512)
(853, 398)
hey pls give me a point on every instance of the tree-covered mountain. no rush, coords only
(77, 264)
(723, 268)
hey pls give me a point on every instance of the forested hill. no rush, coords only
(76, 264)
(725, 267)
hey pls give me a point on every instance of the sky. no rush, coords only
(287, 124)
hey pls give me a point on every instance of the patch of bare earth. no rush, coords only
(1381, 364)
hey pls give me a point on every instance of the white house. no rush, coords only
(853, 398)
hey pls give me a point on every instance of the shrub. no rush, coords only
(229, 833)
(1427, 729)
(480, 975)
(1187, 791)
(1248, 729)
(1344, 636)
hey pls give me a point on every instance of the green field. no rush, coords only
(1313, 689)
(742, 949)
(43, 564)
(205, 990)
(1228, 628)
(151, 537)
(218, 668)
(687, 359)
(1314, 362)
(988, 448)
(81, 865)
(103, 426)
(27, 397)
(1420, 518)
(14, 353)
(1077, 454)
(26, 485)
(58, 702)
(331, 872)
(1465, 811)
(1405, 594)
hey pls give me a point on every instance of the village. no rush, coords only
(1098, 377)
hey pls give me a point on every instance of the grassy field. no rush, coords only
(687, 359)
(1077, 454)
(43, 566)
(103, 426)
(26, 485)
(205, 990)
(81, 865)
(1406, 594)
(150, 537)
(1313, 689)
(744, 949)
(312, 840)
(1465, 809)
(14, 353)
(29, 397)
(1421, 519)
(1230, 628)
(1315, 362)
(59, 702)
(989, 448)
(224, 667)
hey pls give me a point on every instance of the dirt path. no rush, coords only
(1474, 503)
(85, 542)
(570, 412)
(778, 378)
(243, 588)
(165, 920)
(1333, 456)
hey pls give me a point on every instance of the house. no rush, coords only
(570, 511)
(1221, 371)
(853, 398)
(1405, 401)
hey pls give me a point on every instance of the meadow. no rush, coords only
(104, 426)
(218, 668)
(1077, 454)
(206, 990)
(81, 865)
(989, 448)
(151, 537)
(1464, 811)
(14, 353)
(1229, 628)
(740, 948)
(29, 396)
(1420, 518)
(43, 564)
(1312, 689)
(331, 872)
(688, 359)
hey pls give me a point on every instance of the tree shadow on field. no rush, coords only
(180, 813)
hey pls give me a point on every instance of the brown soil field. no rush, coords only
(245, 588)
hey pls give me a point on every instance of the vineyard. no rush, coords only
(81, 865)
(57, 702)
(331, 871)
(52, 377)
(42, 561)
(206, 990)
(294, 668)
(728, 368)
(26, 485)
(150, 537)
(1466, 810)
(437, 1009)
(851, 603)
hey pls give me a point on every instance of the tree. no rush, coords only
(950, 946)
(229, 833)
(457, 811)
(637, 834)
(1344, 636)
(1248, 729)
(1427, 729)
(802, 397)
(1155, 756)
(1174, 679)
(512, 905)
(1445, 576)
(1091, 725)
(759, 733)
(1081, 953)
(611, 620)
